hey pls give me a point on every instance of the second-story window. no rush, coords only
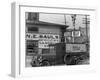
(32, 29)
(33, 16)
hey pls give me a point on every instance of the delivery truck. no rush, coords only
(64, 53)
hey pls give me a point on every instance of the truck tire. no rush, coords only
(73, 60)
(67, 59)
(82, 59)
(70, 60)
(45, 63)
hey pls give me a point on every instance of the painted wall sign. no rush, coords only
(44, 39)
(30, 36)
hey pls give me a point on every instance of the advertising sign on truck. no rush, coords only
(75, 48)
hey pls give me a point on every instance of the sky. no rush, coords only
(60, 19)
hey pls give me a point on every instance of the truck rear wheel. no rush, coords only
(67, 59)
(70, 60)
(82, 59)
(74, 60)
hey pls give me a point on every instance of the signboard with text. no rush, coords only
(43, 39)
(75, 48)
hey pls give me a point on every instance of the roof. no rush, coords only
(45, 23)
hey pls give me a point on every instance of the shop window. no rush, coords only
(31, 47)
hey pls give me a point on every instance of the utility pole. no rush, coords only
(65, 18)
(63, 30)
(73, 20)
(86, 22)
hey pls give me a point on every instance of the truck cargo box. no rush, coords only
(60, 52)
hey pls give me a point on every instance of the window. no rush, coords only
(31, 47)
(33, 16)
(32, 29)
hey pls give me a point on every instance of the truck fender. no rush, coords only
(45, 63)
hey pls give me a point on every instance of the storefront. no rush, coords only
(42, 38)
(39, 35)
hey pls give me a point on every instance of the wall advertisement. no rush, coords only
(43, 39)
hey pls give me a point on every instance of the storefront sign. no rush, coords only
(44, 39)
(30, 36)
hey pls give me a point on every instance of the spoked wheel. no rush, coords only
(45, 63)
(33, 64)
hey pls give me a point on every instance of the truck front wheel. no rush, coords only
(45, 63)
